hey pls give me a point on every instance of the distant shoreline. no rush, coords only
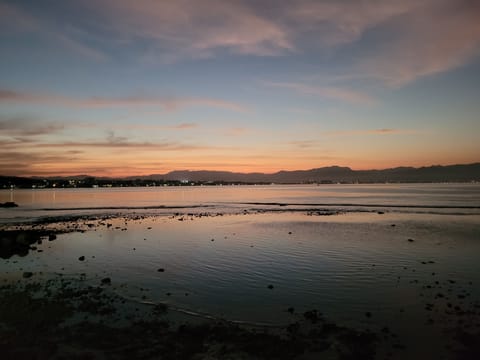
(103, 184)
(463, 173)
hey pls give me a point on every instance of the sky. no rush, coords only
(119, 87)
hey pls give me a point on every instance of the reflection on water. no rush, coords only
(450, 198)
(344, 267)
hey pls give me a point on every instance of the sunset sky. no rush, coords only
(117, 87)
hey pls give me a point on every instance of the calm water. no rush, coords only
(343, 265)
(415, 197)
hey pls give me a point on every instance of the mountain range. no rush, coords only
(451, 173)
(331, 174)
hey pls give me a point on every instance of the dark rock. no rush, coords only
(52, 237)
(270, 286)
(27, 274)
(312, 315)
(161, 270)
(291, 310)
(368, 314)
(81, 258)
(160, 309)
(293, 328)
(18, 242)
(410, 240)
(8, 204)
(106, 281)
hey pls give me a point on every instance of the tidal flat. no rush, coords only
(257, 280)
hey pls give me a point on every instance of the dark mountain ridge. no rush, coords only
(331, 174)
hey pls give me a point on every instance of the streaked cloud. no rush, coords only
(411, 46)
(329, 92)
(193, 28)
(24, 126)
(336, 23)
(184, 126)
(168, 103)
(14, 18)
(419, 37)
(304, 144)
(371, 132)
(123, 143)
(419, 47)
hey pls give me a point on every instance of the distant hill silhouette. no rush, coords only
(331, 174)
(451, 173)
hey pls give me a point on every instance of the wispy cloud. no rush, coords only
(411, 45)
(193, 28)
(419, 48)
(168, 103)
(337, 23)
(419, 37)
(371, 132)
(121, 142)
(304, 144)
(25, 126)
(329, 92)
(17, 19)
(184, 126)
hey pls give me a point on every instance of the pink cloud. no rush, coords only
(195, 28)
(418, 37)
(343, 22)
(184, 126)
(437, 37)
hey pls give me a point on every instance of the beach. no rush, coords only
(333, 271)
